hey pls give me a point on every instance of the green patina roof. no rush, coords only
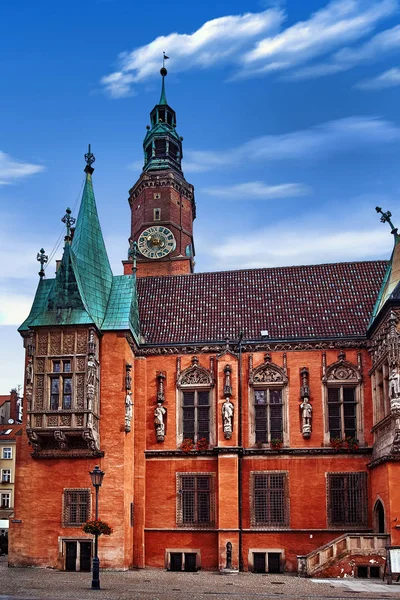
(84, 290)
(90, 260)
(389, 288)
(163, 97)
(123, 310)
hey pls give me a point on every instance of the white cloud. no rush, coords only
(307, 239)
(340, 22)
(390, 78)
(11, 169)
(322, 141)
(257, 190)
(381, 44)
(213, 43)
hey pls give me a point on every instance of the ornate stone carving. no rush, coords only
(42, 343)
(394, 392)
(33, 439)
(55, 343)
(227, 418)
(61, 440)
(195, 376)
(128, 376)
(268, 373)
(342, 371)
(69, 342)
(305, 406)
(272, 347)
(29, 370)
(385, 342)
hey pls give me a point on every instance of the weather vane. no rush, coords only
(89, 157)
(43, 259)
(385, 218)
(165, 57)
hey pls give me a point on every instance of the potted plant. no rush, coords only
(97, 527)
(187, 445)
(276, 443)
(336, 443)
(202, 444)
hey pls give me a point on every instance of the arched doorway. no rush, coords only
(379, 517)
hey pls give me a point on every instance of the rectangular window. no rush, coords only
(196, 415)
(76, 507)
(342, 412)
(347, 499)
(268, 409)
(269, 499)
(6, 500)
(7, 453)
(195, 500)
(6, 475)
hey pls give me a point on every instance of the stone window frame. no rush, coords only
(286, 501)
(7, 450)
(66, 520)
(344, 374)
(211, 524)
(268, 375)
(195, 378)
(169, 551)
(330, 508)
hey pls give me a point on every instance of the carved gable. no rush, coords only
(342, 371)
(195, 375)
(268, 373)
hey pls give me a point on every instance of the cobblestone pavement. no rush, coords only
(146, 584)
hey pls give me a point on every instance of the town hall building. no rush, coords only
(244, 420)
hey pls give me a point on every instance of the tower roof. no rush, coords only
(84, 290)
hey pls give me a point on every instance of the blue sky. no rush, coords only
(289, 113)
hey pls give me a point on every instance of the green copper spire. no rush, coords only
(162, 145)
(390, 289)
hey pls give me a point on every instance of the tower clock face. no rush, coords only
(156, 242)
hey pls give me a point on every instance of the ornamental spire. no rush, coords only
(385, 218)
(43, 259)
(163, 72)
(89, 158)
(69, 221)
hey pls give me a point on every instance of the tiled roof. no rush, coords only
(122, 310)
(305, 302)
(8, 432)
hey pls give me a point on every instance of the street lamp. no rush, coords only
(97, 479)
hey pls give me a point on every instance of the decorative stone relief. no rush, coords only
(305, 406)
(195, 375)
(341, 371)
(268, 372)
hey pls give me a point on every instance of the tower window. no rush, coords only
(157, 214)
(169, 118)
(160, 148)
(156, 195)
(173, 151)
(148, 152)
(161, 115)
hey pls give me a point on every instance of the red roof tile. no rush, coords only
(314, 302)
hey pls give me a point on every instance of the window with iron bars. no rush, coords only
(196, 415)
(347, 499)
(269, 499)
(196, 499)
(268, 415)
(342, 412)
(76, 507)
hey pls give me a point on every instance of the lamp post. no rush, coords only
(97, 479)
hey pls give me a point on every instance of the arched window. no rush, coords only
(194, 385)
(342, 382)
(268, 402)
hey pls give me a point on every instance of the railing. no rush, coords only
(348, 543)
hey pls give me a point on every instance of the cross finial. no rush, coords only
(89, 158)
(42, 258)
(132, 253)
(385, 218)
(69, 221)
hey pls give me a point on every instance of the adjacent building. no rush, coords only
(244, 420)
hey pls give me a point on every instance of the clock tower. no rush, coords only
(162, 201)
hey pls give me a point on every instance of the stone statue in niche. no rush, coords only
(227, 418)
(128, 411)
(306, 415)
(394, 384)
(228, 555)
(159, 424)
(29, 371)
